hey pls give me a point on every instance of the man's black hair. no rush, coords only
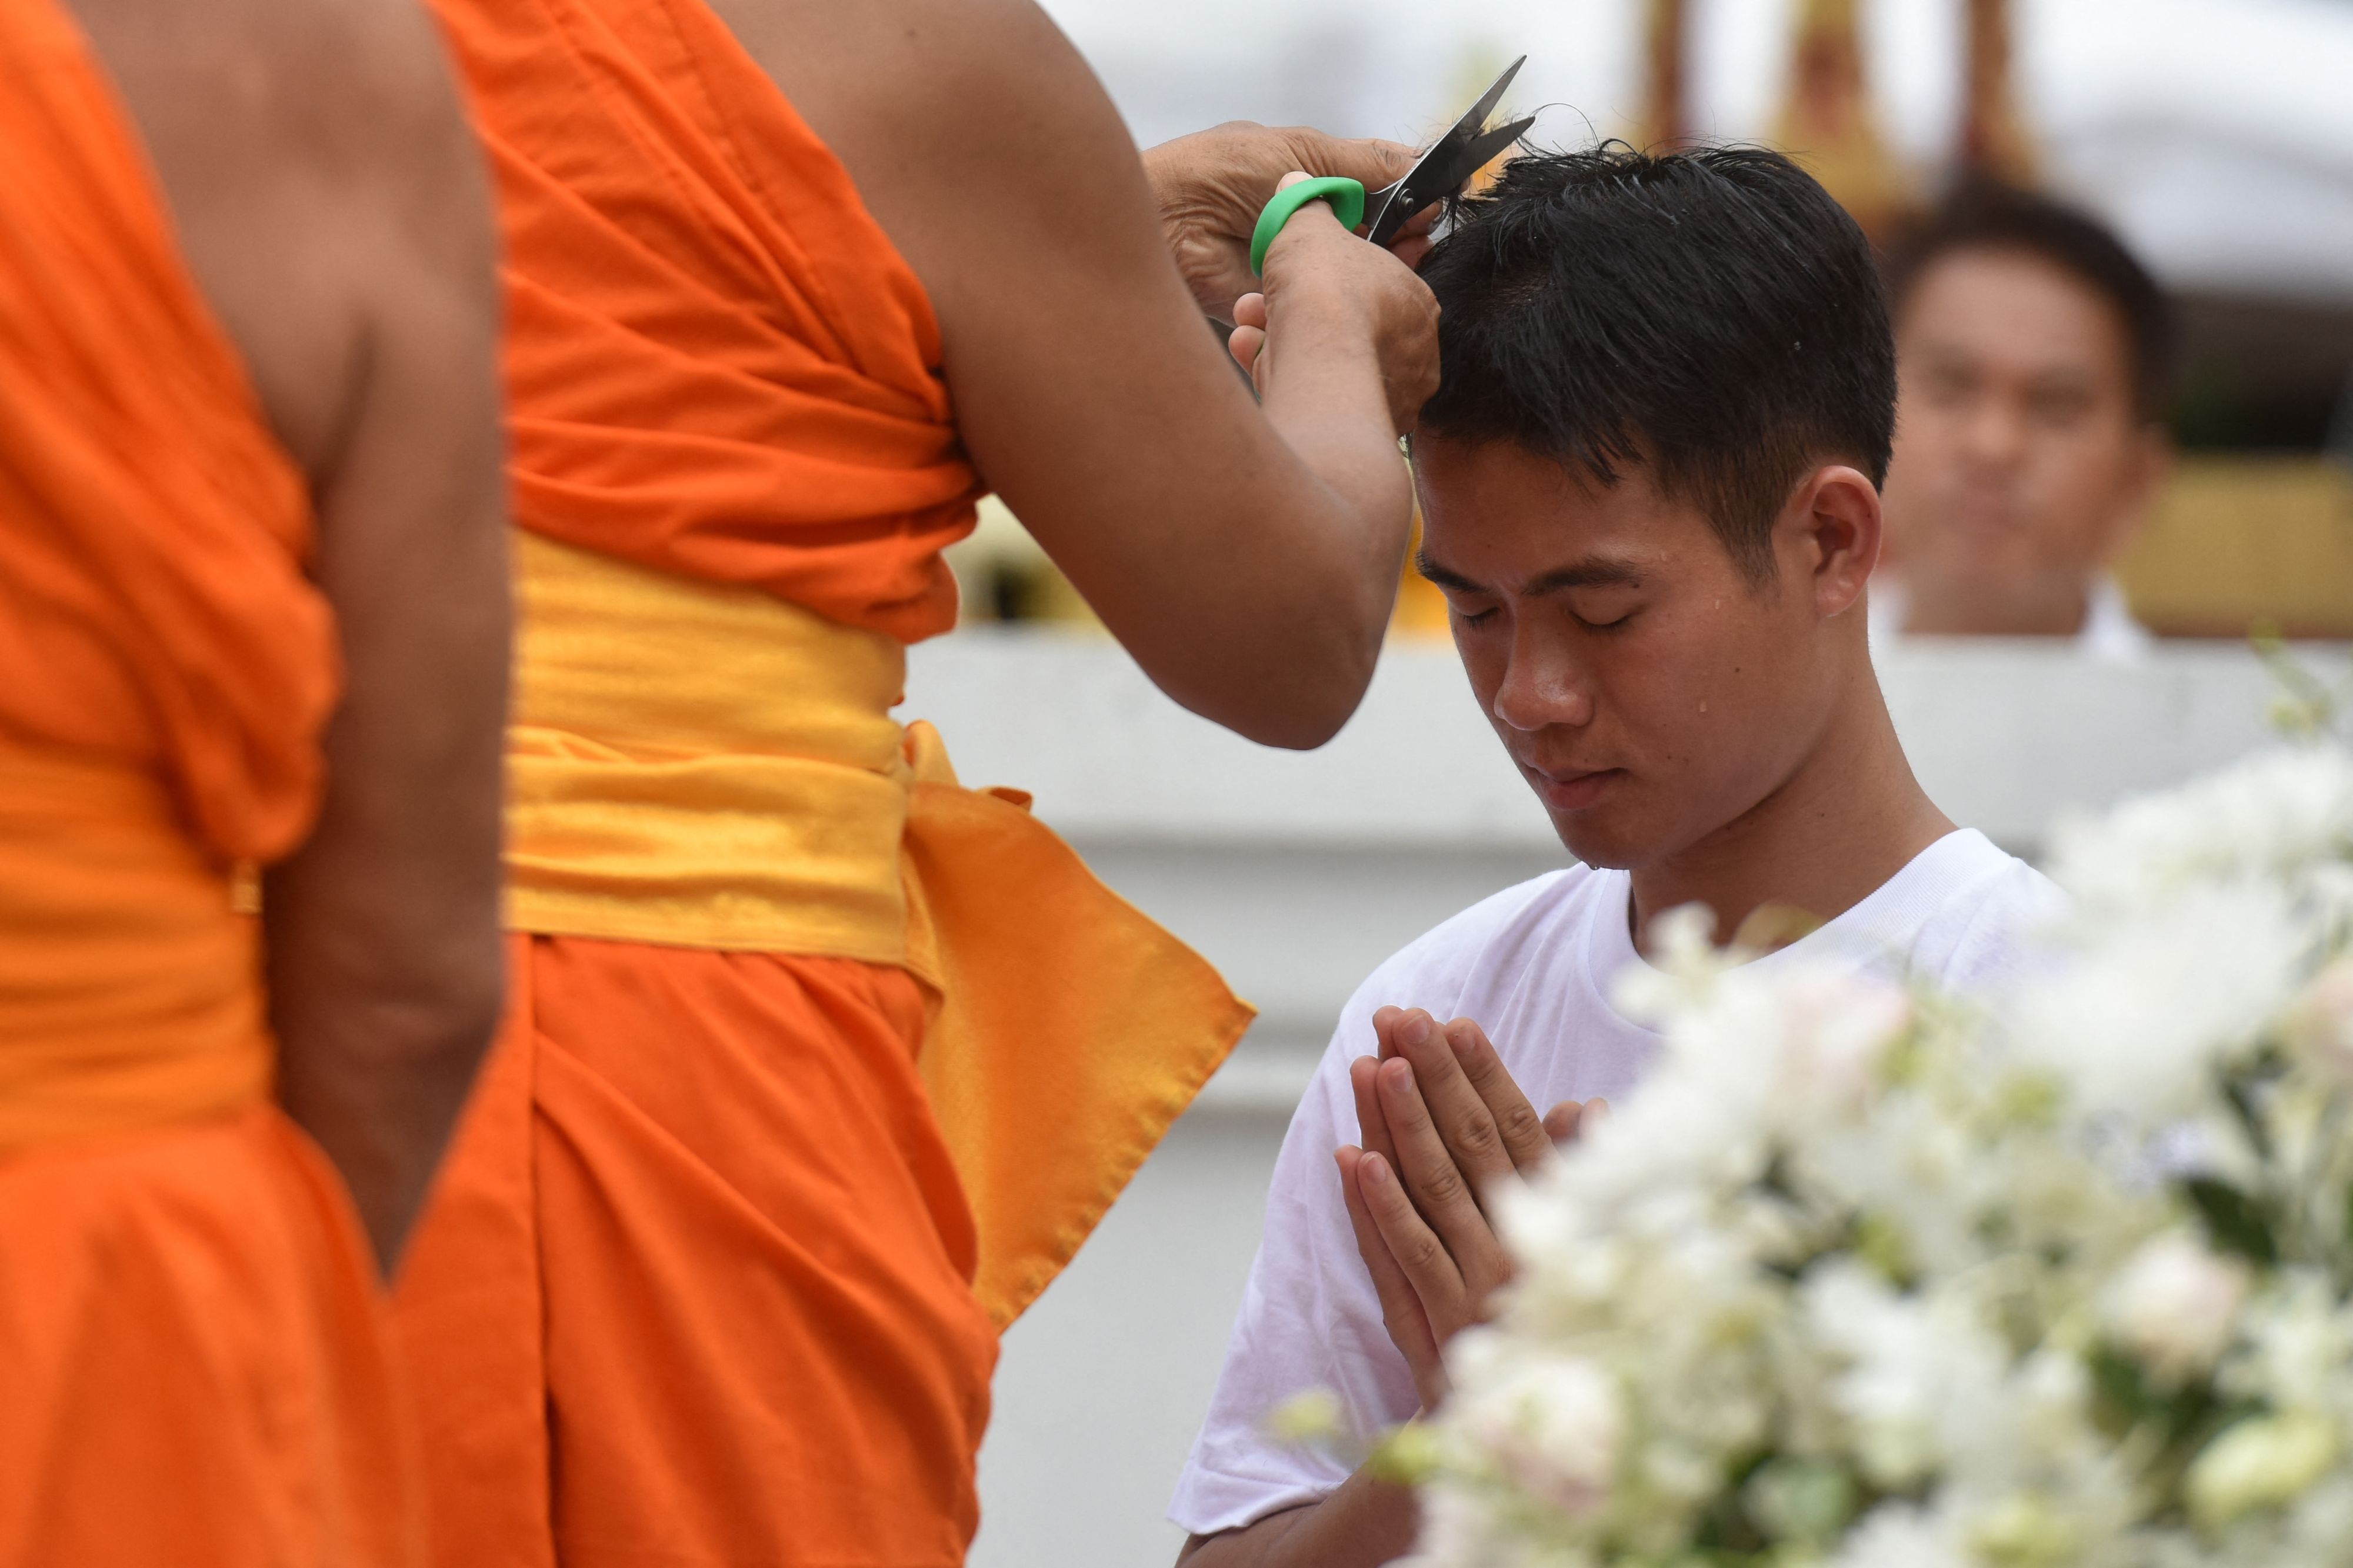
(1710, 313)
(1985, 215)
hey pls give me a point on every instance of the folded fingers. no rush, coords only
(1521, 1130)
(1402, 1312)
(1433, 1178)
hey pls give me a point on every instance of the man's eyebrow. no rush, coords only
(1443, 577)
(1593, 572)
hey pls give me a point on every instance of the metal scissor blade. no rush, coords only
(1488, 99)
(1435, 179)
(1483, 152)
(1440, 170)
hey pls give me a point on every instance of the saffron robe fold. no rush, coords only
(195, 1362)
(820, 1065)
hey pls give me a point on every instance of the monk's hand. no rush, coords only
(1211, 186)
(1421, 1188)
(1247, 342)
(1329, 299)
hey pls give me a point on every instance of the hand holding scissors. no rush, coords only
(1448, 165)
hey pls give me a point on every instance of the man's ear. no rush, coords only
(1833, 523)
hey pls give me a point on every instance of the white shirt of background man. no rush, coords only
(2110, 635)
(1534, 965)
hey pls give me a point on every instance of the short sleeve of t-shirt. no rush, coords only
(1534, 965)
(1310, 1318)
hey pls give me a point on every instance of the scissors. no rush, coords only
(1442, 170)
(1465, 148)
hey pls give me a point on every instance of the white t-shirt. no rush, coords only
(1534, 965)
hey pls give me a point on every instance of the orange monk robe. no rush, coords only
(194, 1357)
(821, 1065)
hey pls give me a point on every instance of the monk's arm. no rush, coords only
(1364, 1525)
(332, 205)
(1247, 558)
(383, 930)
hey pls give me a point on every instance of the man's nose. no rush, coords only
(1994, 433)
(1543, 684)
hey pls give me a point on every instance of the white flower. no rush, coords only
(2173, 1304)
(2299, 1344)
(1898, 1535)
(1918, 1371)
(2264, 1462)
(2320, 1024)
(2024, 1531)
(2279, 814)
(2322, 1520)
(1839, 1024)
(1459, 1530)
(2137, 1023)
(1551, 1425)
(1685, 964)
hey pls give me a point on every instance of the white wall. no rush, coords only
(1297, 874)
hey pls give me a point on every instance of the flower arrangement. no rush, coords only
(1868, 1277)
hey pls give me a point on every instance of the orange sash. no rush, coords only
(711, 767)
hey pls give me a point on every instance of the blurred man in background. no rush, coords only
(253, 614)
(2035, 354)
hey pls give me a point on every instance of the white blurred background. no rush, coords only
(2217, 135)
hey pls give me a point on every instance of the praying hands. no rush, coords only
(1445, 1131)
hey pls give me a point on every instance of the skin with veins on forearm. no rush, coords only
(1445, 1127)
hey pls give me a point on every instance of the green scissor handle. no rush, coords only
(1346, 196)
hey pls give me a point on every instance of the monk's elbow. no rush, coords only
(1301, 730)
(1305, 705)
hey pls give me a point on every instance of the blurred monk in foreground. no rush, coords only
(2036, 355)
(253, 614)
(822, 1065)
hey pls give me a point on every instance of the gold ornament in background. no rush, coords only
(1994, 142)
(1826, 122)
(1666, 102)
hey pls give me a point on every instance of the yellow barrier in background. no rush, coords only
(2235, 543)
(2240, 540)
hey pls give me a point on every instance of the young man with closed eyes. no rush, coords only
(1650, 486)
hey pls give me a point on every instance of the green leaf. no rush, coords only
(2124, 1395)
(2240, 1093)
(2234, 1222)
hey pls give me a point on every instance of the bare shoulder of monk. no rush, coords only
(930, 103)
(308, 154)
